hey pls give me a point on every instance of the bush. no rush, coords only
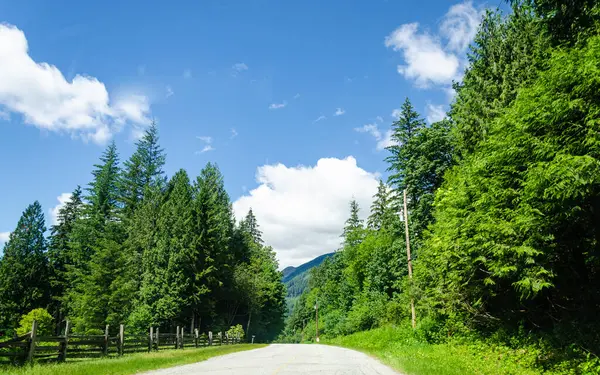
(236, 330)
(44, 319)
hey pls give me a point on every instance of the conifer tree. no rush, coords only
(352, 234)
(250, 225)
(59, 253)
(382, 211)
(24, 268)
(143, 170)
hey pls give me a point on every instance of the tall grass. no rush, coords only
(401, 349)
(129, 364)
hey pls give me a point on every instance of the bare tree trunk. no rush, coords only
(248, 325)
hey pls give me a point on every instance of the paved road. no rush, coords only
(281, 359)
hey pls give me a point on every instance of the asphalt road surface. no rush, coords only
(286, 359)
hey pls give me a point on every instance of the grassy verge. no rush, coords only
(398, 348)
(129, 364)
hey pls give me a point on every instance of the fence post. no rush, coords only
(121, 339)
(209, 343)
(150, 339)
(182, 342)
(220, 338)
(196, 337)
(177, 339)
(32, 339)
(105, 349)
(253, 339)
(62, 356)
(157, 338)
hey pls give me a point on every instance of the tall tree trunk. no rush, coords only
(248, 325)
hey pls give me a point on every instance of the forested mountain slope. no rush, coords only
(296, 279)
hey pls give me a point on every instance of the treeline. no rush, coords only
(503, 202)
(139, 249)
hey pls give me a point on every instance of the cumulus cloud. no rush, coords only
(383, 139)
(41, 94)
(278, 105)
(339, 112)
(435, 113)
(301, 210)
(436, 59)
(63, 199)
(207, 144)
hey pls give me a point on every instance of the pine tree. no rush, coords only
(103, 193)
(143, 170)
(353, 228)
(250, 225)
(24, 268)
(382, 212)
(59, 253)
(211, 261)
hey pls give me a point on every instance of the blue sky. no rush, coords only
(292, 99)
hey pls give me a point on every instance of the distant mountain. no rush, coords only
(296, 278)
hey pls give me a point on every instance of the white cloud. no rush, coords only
(4, 236)
(169, 91)
(207, 144)
(4, 115)
(339, 112)
(396, 113)
(62, 200)
(187, 73)
(234, 133)
(320, 118)
(278, 105)
(435, 113)
(238, 68)
(41, 94)
(460, 25)
(427, 59)
(301, 210)
(297, 96)
(206, 149)
(383, 139)
(379, 119)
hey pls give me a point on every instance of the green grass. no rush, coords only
(129, 364)
(398, 348)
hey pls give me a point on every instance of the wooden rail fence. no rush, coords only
(31, 347)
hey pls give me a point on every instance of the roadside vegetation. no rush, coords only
(129, 364)
(503, 203)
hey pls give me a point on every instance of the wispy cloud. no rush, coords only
(234, 133)
(297, 96)
(207, 144)
(379, 118)
(339, 112)
(278, 105)
(169, 91)
(320, 118)
(383, 139)
(238, 68)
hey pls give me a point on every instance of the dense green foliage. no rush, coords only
(503, 206)
(142, 251)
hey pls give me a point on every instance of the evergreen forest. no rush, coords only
(141, 249)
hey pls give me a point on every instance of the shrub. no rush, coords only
(44, 319)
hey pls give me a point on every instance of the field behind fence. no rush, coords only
(30, 347)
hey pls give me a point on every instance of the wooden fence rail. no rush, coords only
(31, 347)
